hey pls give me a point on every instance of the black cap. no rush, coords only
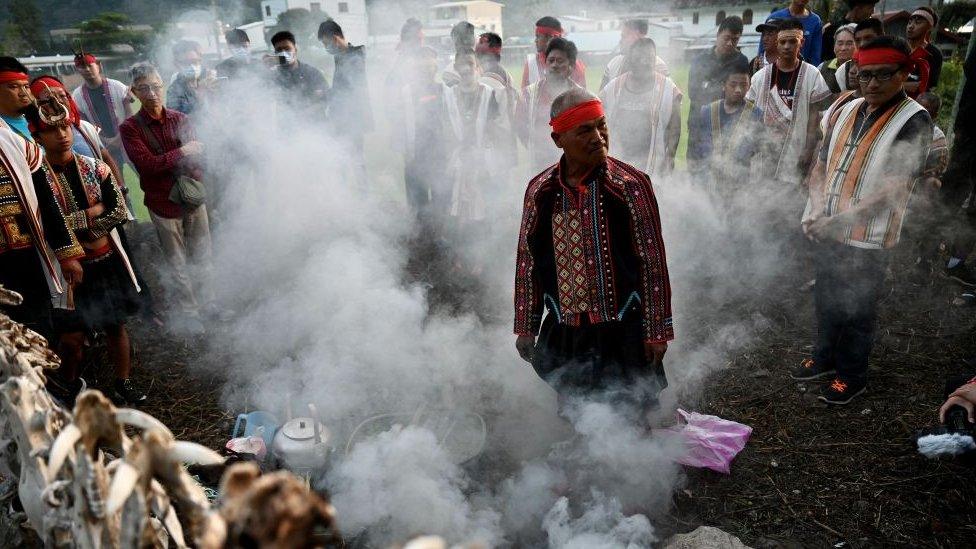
(771, 24)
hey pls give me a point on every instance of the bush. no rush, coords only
(949, 82)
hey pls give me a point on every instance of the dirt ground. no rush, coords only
(811, 476)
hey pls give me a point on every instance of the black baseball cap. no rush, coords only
(771, 24)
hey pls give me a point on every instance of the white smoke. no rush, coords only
(315, 269)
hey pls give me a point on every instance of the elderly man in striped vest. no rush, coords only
(859, 191)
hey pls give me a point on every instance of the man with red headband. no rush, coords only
(591, 252)
(31, 224)
(859, 192)
(102, 101)
(86, 141)
(535, 67)
(92, 203)
(532, 111)
(15, 97)
(790, 93)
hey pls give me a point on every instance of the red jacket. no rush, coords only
(158, 172)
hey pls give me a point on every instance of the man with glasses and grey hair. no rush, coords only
(161, 145)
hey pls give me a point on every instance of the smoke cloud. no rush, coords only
(329, 313)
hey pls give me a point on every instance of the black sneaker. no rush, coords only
(962, 274)
(809, 369)
(65, 392)
(126, 393)
(842, 392)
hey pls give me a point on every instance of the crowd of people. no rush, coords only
(834, 123)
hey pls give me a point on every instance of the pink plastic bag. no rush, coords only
(710, 441)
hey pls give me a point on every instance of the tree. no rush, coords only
(301, 23)
(26, 22)
(12, 43)
(957, 14)
(108, 29)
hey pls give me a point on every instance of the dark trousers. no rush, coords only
(850, 282)
(22, 271)
(958, 185)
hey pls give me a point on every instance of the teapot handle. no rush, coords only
(314, 414)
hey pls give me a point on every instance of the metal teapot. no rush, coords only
(302, 445)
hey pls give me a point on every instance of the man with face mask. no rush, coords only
(350, 114)
(304, 85)
(859, 193)
(591, 252)
(644, 106)
(191, 81)
(239, 61)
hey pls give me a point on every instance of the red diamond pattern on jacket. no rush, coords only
(570, 262)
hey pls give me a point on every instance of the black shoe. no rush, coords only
(962, 274)
(126, 393)
(809, 369)
(842, 392)
(65, 392)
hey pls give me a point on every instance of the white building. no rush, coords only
(350, 14)
(486, 16)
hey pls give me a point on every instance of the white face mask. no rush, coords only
(239, 52)
(193, 71)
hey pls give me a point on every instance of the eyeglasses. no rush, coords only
(145, 89)
(881, 76)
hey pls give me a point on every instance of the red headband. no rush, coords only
(882, 56)
(574, 116)
(85, 59)
(37, 86)
(12, 76)
(548, 31)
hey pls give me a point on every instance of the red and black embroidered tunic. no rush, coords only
(592, 252)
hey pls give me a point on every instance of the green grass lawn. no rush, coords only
(135, 193)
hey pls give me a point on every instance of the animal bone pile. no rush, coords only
(82, 481)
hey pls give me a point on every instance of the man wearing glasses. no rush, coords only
(161, 145)
(859, 191)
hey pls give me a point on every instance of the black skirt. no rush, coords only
(603, 361)
(106, 297)
(22, 271)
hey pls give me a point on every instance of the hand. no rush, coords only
(825, 228)
(807, 221)
(95, 211)
(932, 183)
(72, 272)
(654, 352)
(525, 345)
(111, 142)
(192, 148)
(964, 396)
